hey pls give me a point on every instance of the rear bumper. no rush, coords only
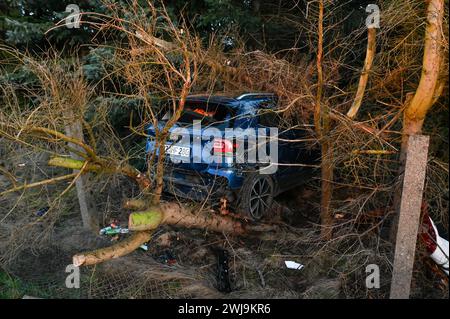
(210, 184)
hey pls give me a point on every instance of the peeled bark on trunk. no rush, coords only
(370, 54)
(146, 220)
(429, 87)
(120, 249)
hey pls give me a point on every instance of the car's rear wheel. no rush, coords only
(256, 196)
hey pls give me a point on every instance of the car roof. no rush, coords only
(231, 101)
(214, 99)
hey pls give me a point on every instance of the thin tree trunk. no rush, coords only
(430, 86)
(327, 190)
(370, 54)
(159, 178)
(86, 203)
(164, 134)
(318, 107)
(322, 126)
(427, 92)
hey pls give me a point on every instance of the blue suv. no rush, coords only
(211, 152)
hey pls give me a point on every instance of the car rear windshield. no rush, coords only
(207, 113)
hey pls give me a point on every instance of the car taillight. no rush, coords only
(223, 146)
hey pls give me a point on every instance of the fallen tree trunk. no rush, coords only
(150, 218)
(145, 222)
(177, 215)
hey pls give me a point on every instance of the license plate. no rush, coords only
(178, 150)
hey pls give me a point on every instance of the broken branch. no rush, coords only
(41, 183)
(65, 138)
(370, 54)
(127, 170)
(74, 164)
(120, 249)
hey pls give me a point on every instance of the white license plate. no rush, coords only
(178, 150)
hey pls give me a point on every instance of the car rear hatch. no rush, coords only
(196, 141)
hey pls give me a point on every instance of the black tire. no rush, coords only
(256, 196)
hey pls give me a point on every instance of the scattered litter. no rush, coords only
(21, 164)
(167, 258)
(437, 246)
(144, 246)
(114, 230)
(293, 265)
(42, 211)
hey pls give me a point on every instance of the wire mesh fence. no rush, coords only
(136, 277)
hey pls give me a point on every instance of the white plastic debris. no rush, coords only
(293, 265)
(440, 255)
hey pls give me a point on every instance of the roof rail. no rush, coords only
(248, 96)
